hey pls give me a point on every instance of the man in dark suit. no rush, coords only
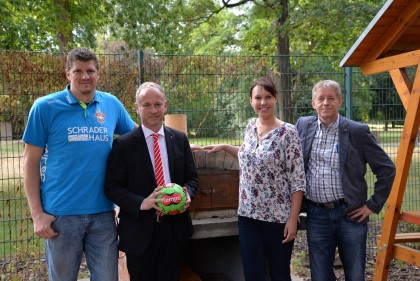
(154, 244)
(336, 151)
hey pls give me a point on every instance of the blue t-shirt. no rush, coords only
(76, 144)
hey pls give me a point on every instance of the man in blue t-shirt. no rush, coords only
(67, 141)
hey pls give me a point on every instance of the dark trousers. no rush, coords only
(162, 260)
(260, 244)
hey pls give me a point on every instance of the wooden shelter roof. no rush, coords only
(394, 30)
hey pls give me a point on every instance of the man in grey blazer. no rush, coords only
(336, 151)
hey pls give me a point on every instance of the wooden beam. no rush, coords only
(404, 237)
(413, 217)
(407, 16)
(402, 84)
(406, 254)
(394, 62)
(407, 237)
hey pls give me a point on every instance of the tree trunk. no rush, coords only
(283, 66)
(64, 33)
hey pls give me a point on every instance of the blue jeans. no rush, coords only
(331, 228)
(260, 243)
(95, 235)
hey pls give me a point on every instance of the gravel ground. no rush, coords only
(397, 270)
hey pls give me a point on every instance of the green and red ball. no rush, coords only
(172, 200)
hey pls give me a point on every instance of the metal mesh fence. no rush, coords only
(213, 91)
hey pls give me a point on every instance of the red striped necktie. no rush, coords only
(160, 180)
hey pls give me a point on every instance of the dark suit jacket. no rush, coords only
(357, 147)
(130, 179)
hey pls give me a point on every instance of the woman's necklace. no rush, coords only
(262, 130)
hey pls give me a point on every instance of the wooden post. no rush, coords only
(177, 121)
(6, 130)
(404, 157)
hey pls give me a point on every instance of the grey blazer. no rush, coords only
(357, 147)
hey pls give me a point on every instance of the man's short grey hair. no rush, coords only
(327, 84)
(147, 85)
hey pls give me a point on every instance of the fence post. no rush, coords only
(348, 77)
(140, 58)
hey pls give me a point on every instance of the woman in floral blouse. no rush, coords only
(272, 182)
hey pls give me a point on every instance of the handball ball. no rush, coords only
(173, 199)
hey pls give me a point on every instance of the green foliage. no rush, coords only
(218, 35)
(258, 37)
(313, 27)
(30, 70)
(24, 266)
(201, 27)
(213, 90)
(41, 25)
(328, 26)
(300, 260)
(385, 106)
(145, 24)
(25, 76)
(19, 28)
(194, 26)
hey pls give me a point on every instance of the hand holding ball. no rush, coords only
(172, 200)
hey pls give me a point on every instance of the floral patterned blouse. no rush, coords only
(271, 169)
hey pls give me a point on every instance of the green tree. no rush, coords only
(281, 27)
(52, 25)
(263, 27)
(329, 26)
(249, 27)
(271, 13)
(254, 27)
(145, 24)
(217, 35)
